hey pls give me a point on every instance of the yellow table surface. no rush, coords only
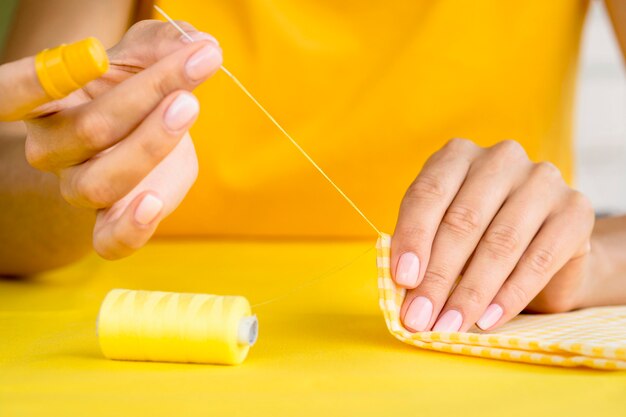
(323, 350)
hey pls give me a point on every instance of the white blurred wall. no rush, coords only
(601, 116)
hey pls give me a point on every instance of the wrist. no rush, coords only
(603, 282)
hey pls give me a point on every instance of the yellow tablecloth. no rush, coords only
(323, 350)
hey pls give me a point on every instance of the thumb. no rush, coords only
(20, 90)
(27, 83)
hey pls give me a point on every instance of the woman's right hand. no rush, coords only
(120, 145)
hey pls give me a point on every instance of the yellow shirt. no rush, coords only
(367, 88)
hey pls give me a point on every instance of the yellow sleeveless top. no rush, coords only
(370, 90)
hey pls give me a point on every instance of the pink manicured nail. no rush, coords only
(490, 316)
(418, 315)
(182, 111)
(148, 209)
(450, 321)
(408, 270)
(203, 63)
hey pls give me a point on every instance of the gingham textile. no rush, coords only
(593, 337)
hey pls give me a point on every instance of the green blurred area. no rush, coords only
(7, 7)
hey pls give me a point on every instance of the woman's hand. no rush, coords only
(516, 232)
(120, 145)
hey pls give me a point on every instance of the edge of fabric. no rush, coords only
(507, 347)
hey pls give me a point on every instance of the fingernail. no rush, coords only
(203, 63)
(450, 321)
(490, 316)
(418, 315)
(148, 209)
(182, 111)
(408, 270)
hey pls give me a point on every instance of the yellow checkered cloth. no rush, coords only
(594, 337)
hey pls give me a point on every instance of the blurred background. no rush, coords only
(600, 111)
(601, 116)
(6, 10)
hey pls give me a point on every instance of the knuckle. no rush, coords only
(165, 30)
(453, 152)
(458, 145)
(581, 203)
(94, 193)
(144, 25)
(66, 191)
(510, 149)
(462, 220)
(539, 261)
(92, 130)
(409, 235)
(104, 251)
(425, 187)
(155, 148)
(501, 157)
(124, 240)
(163, 82)
(437, 278)
(502, 240)
(516, 294)
(547, 171)
(35, 155)
(469, 295)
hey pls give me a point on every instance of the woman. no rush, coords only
(375, 93)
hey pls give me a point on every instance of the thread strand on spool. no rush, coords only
(175, 327)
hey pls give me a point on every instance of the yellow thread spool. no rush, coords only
(176, 327)
(66, 68)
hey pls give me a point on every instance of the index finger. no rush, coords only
(423, 207)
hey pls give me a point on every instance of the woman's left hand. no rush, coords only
(516, 232)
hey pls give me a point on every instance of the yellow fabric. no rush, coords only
(594, 337)
(370, 90)
(322, 351)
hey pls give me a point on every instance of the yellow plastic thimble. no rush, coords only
(66, 68)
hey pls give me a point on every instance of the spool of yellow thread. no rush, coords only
(176, 327)
(66, 68)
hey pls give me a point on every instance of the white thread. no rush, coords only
(283, 131)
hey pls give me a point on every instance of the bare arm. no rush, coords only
(38, 229)
(617, 12)
(607, 278)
